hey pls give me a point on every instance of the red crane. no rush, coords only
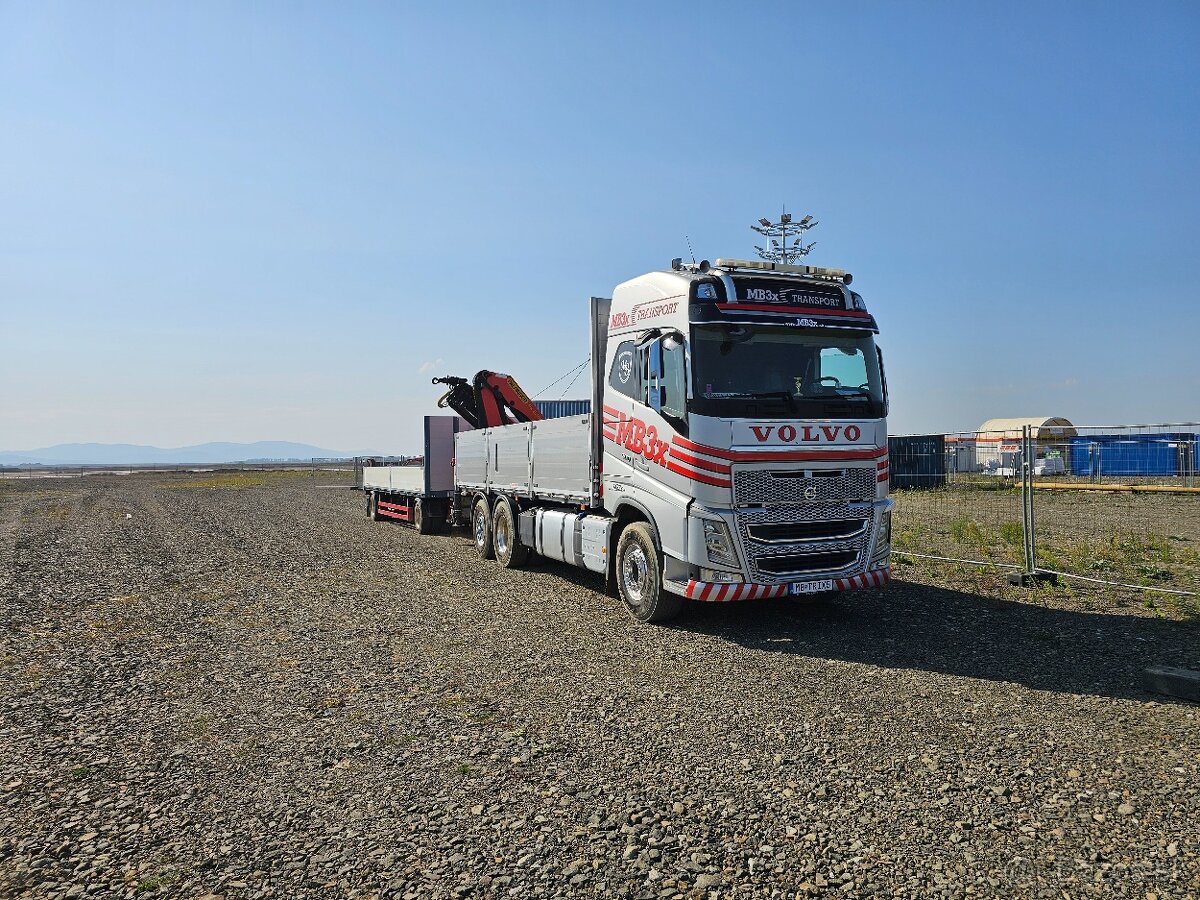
(487, 400)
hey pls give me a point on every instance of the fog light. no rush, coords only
(716, 576)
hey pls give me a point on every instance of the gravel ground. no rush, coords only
(250, 690)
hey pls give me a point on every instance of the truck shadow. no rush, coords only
(913, 626)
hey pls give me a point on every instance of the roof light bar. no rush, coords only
(818, 271)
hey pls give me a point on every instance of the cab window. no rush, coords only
(624, 375)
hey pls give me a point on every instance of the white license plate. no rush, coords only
(810, 587)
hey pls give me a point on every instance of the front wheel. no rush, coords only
(481, 529)
(639, 577)
(373, 506)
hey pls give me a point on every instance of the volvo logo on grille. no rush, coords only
(810, 492)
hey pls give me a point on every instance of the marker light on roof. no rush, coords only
(816, 271)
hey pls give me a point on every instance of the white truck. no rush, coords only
(736, 448)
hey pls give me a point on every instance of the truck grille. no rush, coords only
(808, 563)
(786, 534)
(755, 486)
(796, 532)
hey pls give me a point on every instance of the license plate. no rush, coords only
(810, 587)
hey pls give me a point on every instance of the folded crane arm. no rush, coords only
(487, 400)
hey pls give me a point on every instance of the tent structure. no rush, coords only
(996, 437)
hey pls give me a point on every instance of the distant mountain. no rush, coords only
(138, 454)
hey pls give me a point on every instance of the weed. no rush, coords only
(1013, 534)
(966, 531)
(155, 882)
(1186, 608)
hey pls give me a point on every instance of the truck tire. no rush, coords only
(422, 520)
(639, 576)
(373, 506)
(481, 529)
(510, 552)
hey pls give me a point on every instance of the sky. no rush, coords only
(276, 221)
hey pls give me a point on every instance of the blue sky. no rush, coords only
(268, 221)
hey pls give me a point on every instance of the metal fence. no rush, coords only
(1107, 505)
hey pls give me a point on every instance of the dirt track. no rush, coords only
(253, 691)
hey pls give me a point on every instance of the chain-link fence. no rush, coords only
(958, 498)
(1115, 506)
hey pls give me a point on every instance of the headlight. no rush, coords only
(885, 529)
(716, 576)
(718, 543)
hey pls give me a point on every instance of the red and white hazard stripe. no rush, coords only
(712, 592)
(874, 578)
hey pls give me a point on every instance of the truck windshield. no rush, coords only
(751, 371)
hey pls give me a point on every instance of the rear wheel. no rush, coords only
(510, 553)
(422, 520)
(639, 576)
(481, 529)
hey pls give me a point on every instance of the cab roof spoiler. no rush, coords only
(761, 265)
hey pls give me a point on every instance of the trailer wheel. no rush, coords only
(639, 576)
(373, 506)
(481, 529)
(510, 552)
(424, 521)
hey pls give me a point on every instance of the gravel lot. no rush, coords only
(250, 690)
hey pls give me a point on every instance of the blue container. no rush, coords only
(560, 409)
(917, 461)
(1157, 455)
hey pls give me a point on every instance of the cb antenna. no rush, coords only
(690, 250)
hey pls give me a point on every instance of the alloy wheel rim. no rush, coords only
(634, 573)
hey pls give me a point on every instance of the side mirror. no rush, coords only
(882, 379)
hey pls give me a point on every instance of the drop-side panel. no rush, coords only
(560, 450)
(410, 479)
(471, 458)
(508, 467)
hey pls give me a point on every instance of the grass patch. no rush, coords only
(966, 530)
(218, 481)
(1013, 534)
(157, 882)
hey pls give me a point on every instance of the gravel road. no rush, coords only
(250, 690)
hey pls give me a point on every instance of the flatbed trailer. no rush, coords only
(420, 495)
